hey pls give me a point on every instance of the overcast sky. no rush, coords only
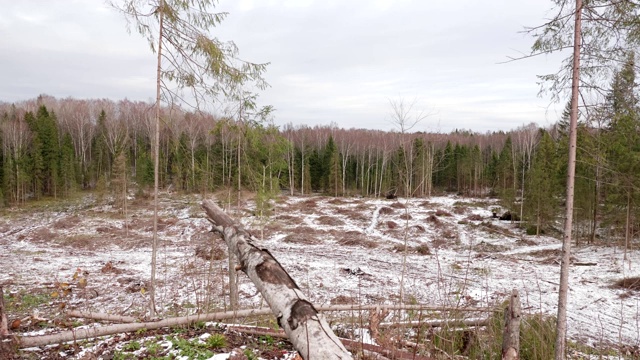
(331, 61)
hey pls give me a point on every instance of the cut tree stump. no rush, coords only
(306, 328)
(511, 335)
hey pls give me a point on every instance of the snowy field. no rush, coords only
(338, 250)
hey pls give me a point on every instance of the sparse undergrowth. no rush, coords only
(360, 240)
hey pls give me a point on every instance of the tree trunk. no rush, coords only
(87, 333)
(4, 325)
(627, 227)
(561, 326)
(233, 285)
(511, 335)
(307, 329)
(156, 165)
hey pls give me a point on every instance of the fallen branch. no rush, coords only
(401, 307)
(131, 326)
(87, 333)
(437, 323)
(306, 328)
(101, 316)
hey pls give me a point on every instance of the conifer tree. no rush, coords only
(542, 185)
(623, 142)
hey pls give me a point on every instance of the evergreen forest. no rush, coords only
(57, 147)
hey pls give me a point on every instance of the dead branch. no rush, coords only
(101, 316)
(79, 334)
(437, 323)
(402, 307)
(307, 329)
(131, 325)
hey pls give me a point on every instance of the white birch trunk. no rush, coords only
(307, 329)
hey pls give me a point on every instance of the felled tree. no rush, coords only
(306, 328)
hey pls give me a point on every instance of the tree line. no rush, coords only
(53, 147)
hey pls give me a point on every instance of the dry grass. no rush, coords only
(42, 234)
(68, 222)
(290, 219)
(406, 216)
(632, 283)
(385, 210)
(80, 241)
(489, 248)
(422, 249)
(352, 214)
(329, 221)
(441, 212)
(355, 238)
(337, 201)
(398, 205)
(460, 210)
(474, 217)
(492, 228)
(211, 252)
(343, 300)
(306, 239)
(391, 224)
(449, 233)
(433, 219)
(545, 253)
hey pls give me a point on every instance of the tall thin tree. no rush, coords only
(188, 57)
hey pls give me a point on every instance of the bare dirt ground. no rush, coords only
(82, 255)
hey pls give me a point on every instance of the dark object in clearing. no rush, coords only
(355, 272)
(632, 283)
(391, 195)
(509, 217)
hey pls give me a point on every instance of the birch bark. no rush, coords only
(306, 328)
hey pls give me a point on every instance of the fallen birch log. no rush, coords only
(306, 328)
(131, 325)
(101, 316)
(87, 333)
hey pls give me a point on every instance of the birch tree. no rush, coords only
(188, 58)
(306, 328)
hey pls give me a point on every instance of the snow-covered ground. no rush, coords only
(337, 250)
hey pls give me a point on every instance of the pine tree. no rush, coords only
(119, 181)
(541, 204)
(68, 166)
(623, 142)
(331, 163)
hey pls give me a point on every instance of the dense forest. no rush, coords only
(54, 147)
